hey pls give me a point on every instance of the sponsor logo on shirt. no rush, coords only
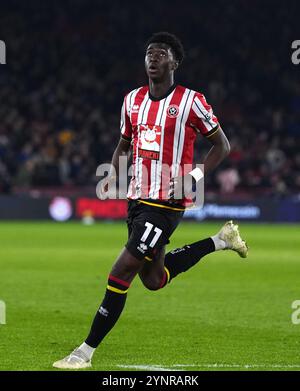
(149, 141)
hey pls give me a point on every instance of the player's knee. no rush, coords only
(152, 284)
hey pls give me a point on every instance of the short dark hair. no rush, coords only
(171, 40)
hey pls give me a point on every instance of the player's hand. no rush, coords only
(105, 185)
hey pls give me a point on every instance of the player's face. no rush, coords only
(159, 61)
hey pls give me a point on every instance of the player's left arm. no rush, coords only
(220, 149)
(204, 121)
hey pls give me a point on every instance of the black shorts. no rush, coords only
(149, 228)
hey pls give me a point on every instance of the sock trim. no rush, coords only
(119, 281)
(167, 273)
(116, 290)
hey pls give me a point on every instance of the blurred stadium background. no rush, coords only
(69, 65)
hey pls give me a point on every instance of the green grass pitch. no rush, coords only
(224, 314)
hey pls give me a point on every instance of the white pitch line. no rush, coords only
(147, 367)
(215, 365)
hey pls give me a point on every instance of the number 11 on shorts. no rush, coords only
(148, 229)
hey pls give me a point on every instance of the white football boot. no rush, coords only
(229, 233)
(76, 360)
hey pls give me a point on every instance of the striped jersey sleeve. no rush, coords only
(203, 118)
(125, 125)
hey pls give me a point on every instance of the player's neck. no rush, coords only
(160, 89)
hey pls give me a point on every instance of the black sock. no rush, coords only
(182, 259)
(109, 311)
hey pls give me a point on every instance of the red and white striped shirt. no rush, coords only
(163, 132)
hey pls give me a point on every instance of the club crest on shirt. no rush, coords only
(172, 111)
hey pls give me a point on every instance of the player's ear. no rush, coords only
(175, 65)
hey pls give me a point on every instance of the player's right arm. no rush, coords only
(122, 149)
(123, 146)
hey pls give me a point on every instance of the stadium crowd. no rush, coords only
(69, 65)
